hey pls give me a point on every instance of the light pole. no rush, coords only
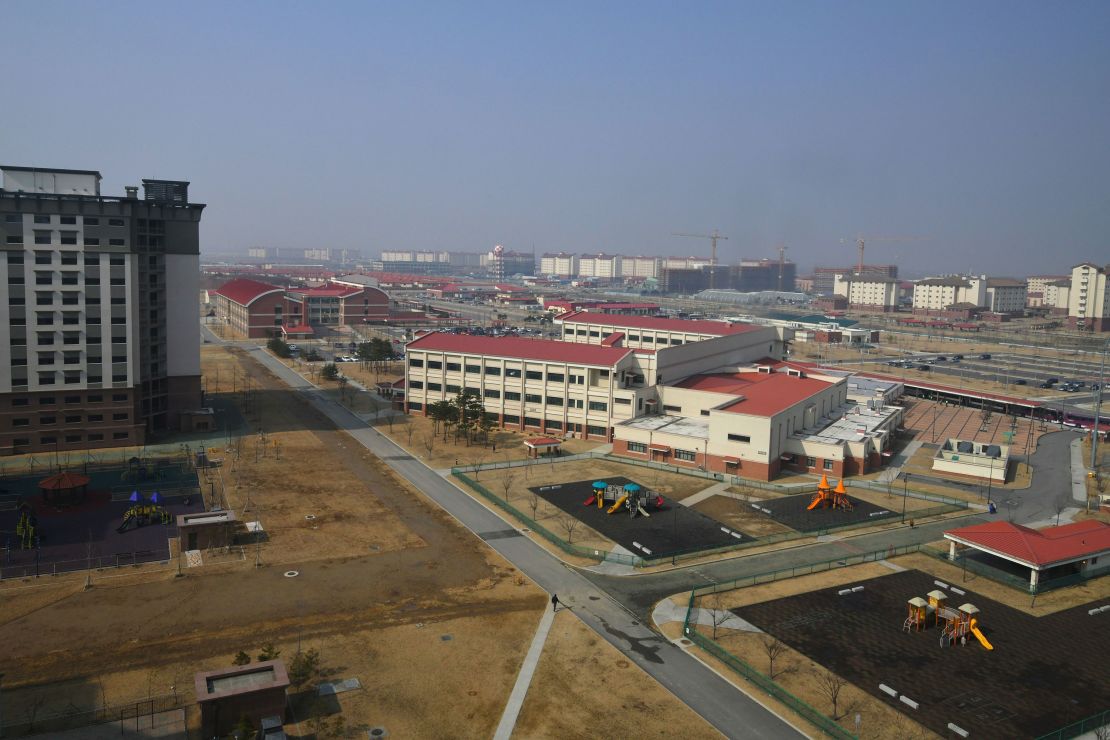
(990, 480)
(905, 485)
(1098, 405)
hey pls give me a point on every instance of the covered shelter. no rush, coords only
(64, 489)
(538, 446)
(1081, 548)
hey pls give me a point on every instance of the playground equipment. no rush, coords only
(958, 623)
(632, 496)
(828, 497)
(143, 512)
(26, 529)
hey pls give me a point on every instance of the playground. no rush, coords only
(656, 526)
(897, 630)
(99, 516)
(829, 507)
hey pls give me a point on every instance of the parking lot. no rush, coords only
(1040, 372)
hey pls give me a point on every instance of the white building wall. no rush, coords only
(182, 327)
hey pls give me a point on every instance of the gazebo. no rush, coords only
(542, 446)
(64, 489)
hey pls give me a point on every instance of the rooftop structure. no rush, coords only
(520, 348)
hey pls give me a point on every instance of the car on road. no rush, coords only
(942, 358)
(1045, 384)
(924, 368)
(984, 356)
(957, 357)
(1020, 381)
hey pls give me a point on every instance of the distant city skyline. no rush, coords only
(592, 127)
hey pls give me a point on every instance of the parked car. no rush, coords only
(924, 368)
(1052, 381)
(1020, 381)
(942, 358)
(984, 356)
(957, 357)
(1045, 384)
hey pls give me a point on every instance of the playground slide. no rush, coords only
(814, 502)
(643, 511)
(617, 505)
(975, 631)
(591, 500)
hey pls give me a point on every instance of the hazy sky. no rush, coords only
(590, 126)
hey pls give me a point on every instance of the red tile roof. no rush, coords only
(245, 291)
(520, 348)
(1039, 547)
(329, 290)
(764, 394)
(717, 328)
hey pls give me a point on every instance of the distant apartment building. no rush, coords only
(943, 294)
(825, 277)
(1089, 298)
(559, 264)
(1036, 288)
(804, 284)
(1006, 296)
(258, 310)
(264, 253)
(600, 266)
(764, 274)
(253, 309)
(413, 262)
(684, 263)
(511, 263)
(867, 293)
(1055, 297)
(640, 267)
(99, 321)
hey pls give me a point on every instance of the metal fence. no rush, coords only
(1006, 578)
(38, 568)
(129, 715)
(1082, 727)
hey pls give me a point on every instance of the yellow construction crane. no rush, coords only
(712, 242)
(862, 240)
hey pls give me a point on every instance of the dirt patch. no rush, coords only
(740, 516)
(581, 679)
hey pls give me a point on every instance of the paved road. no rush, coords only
(731, 712)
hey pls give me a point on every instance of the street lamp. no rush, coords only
(1098, 405)
(990, 480)
(905, 485)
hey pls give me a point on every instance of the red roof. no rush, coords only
(521, 348)
(543, 442)
(612, 339)
(1039, 547)
(64, 481)
(245, 291)
(300, 329)
(330, 290)
(717, 328)
(764, 394)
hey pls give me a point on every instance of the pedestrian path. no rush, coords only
(667, 611)
(524, 678)
(1078, 472)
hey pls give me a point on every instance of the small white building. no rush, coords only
(973, 459)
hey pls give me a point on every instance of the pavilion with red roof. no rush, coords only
(1052, 552)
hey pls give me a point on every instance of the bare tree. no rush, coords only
(773, 648)
(428, 442)
(507, 483)
(534, 505)
(1058, 506)
(718, 614)
(569, 524)
(410, 429)
(478, 459)
(830, 685)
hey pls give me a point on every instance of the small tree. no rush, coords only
(329, 371)
(241, 658)
(718, 614)
(830, 685)
(269, 652)
(507, 483)
(429, 443)
(569, 524)
(1058, 505)
(244, 728)
(534, 505)
(312, 355)
(279, 348)
(304, 667)
(772, 648)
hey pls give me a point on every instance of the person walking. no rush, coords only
(554, 602)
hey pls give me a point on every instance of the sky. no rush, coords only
(972, 136)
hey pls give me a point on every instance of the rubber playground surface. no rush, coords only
(1043, 673)
(673, 528)
(72, 537)
(791, 511)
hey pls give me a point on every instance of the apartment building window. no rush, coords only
(510, 419)
(115, 222)
(574, 403)
(44, 318)
(43, 278)
(46, 400)
(533, 398)
(555, 424)
(96, 398)
(472, 391)
(633, 337)
(685, 455)
(827, 464)
(21, 422)
(15, 238)
(71, 399)
(46, 378)
(91, 241)
(451, 388)
(623, 401)
(13, 218)
(42, 237)
(473, 368)
(73, 419)
(119, 396)
(578, 379)
(435, 365)
(46, 358)
(48, 440)
(91, 221)
(416, 384)
(96, 437)
(744, 438)
(416, 363)
(435, 387)
(116, 260)
(41, 219)
(95, 378)
(119, 320)
(45, 338)
(512, 372)
(96, 417)
(68, 237)
(494, 371)
(512, 396)
(67, 220)
(554, 401)
(43, 258)
(581, 332)
(556, 377)
(73, 438)
(492, 393)
(596, 431)
(119, 417)
(15, 279)
(567, 331)
(121, 377)
(119, 435)
(72, 358)
(672, 409)
(531, 421)
(21, 402)
(639, 447)
(534, 374)
(15, 258)
(599, 406)
(453, 367)
(811, 462)
(414, 406)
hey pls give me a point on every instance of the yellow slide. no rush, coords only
(975, 631)
(617, 505)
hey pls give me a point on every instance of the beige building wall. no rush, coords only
(1088, 298)
(646, 267)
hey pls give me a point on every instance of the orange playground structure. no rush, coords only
(828, 497)
(958, 623)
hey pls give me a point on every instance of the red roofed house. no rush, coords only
(1081, 548)
(254, 309)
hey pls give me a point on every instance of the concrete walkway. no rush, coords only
(524, 678)
(1078, 472)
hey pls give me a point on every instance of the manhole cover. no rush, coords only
(685, 642)
(292, 573)
(446, 638)
(310, 517)
(376, 732)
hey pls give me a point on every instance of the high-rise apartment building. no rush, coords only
(824, 277)
(1089, 297)
(98, 322)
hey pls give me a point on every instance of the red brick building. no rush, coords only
(253, 308)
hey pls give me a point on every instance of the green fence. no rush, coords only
(1006, 578)
(1082, 727)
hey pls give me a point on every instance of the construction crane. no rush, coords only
(712, 254)
(862, 240)
(782, 263)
